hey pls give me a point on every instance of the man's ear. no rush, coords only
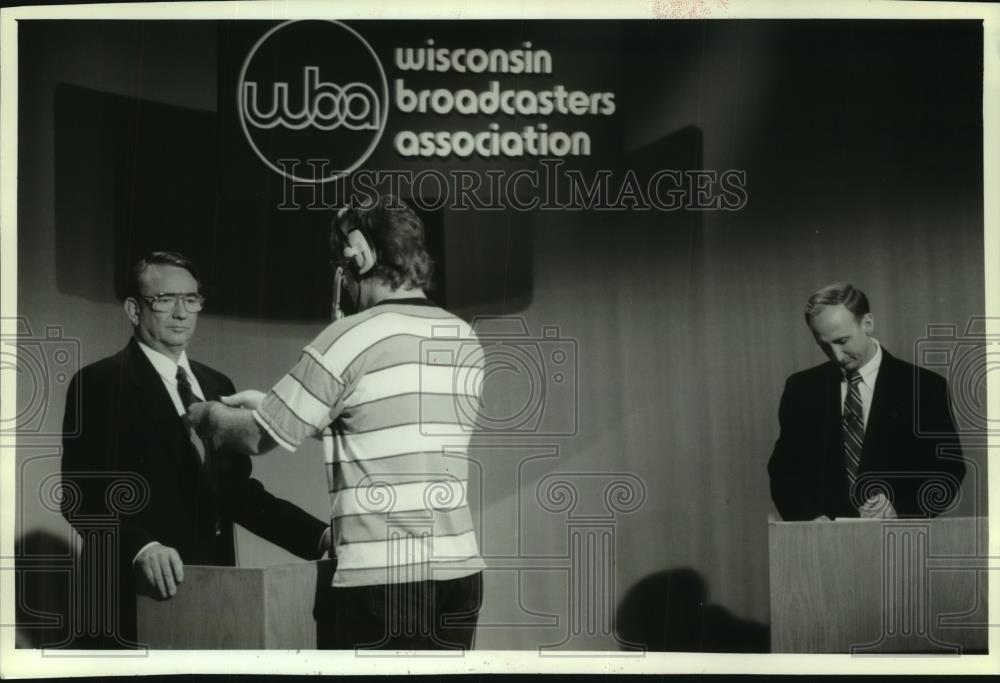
(132, 310)
(868, 324)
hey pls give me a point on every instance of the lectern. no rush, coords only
(238, 609)
(879, 586)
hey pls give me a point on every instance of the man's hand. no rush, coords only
(162, 569)
(878, 506)
(822, 518)
(199, 415)
(230, 427)
(326, 543)
(249, 398)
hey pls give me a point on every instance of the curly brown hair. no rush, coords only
(396, 235)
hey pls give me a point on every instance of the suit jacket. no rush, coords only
(131, 476)
(911, 450)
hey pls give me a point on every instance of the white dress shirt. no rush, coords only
(166, 368)
(869, 373)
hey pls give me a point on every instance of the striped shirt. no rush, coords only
(399, 386)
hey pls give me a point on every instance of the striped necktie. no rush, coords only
(853, 428)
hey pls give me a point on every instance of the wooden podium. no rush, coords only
(879, 586)
(237, 609)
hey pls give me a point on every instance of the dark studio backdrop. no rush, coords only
(862, 147)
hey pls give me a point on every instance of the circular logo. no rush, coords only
(313, 100)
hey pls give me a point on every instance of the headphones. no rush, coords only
(358, 249)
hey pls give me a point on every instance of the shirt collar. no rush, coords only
(408, 301)
(165, 366)
(869, 370)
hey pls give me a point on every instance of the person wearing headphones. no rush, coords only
(397, 382)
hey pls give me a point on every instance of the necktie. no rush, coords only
(187, 398)
(204, 449)
(853, 428)
(184, 388)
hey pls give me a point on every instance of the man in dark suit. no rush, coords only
(144, 492)
(864, 434)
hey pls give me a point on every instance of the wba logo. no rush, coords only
(327, 105)
(313, 100)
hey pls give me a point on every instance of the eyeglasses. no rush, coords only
(164, 302)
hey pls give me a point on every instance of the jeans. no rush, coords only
(421, 615)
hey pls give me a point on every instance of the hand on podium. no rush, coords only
(878, 506)
(161, 568)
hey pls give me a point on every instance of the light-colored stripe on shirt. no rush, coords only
(407, 550)
(430, 379)
(378, 495)
(308, 408)
(410, 438)
(352, 343)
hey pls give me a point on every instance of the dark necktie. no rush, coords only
(184, 388)
(204, 448)
(187, 398)
(853, 428)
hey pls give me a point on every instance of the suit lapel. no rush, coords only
(208, 386)
(832, 407)
(885, 406)
(154, 401)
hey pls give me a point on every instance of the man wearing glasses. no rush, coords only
(186, 494)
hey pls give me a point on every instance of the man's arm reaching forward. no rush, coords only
(231, 423)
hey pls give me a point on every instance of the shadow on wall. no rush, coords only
(669, 612)
(42, 589)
